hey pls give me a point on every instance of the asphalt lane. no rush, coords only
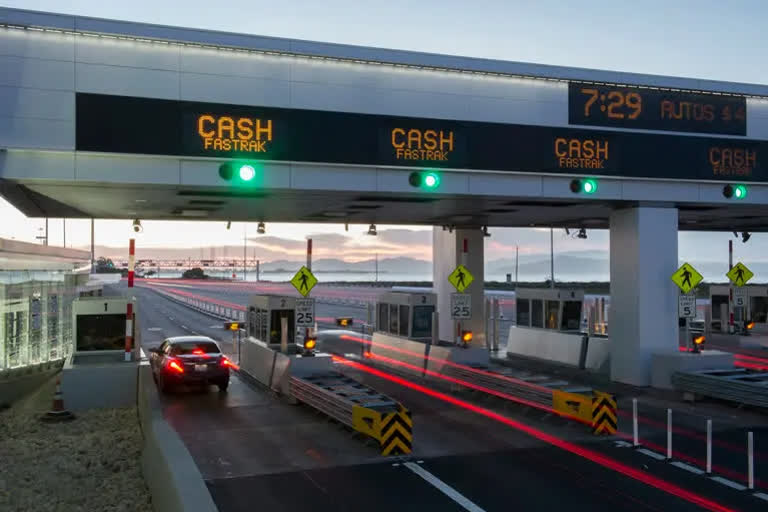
(254, 449)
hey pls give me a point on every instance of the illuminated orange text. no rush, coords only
(578, 153)
(225, 133)
(732, 161)
(687, 110)
(415, 144)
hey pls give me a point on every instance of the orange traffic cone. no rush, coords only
(58, 413)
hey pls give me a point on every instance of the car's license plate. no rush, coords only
(201, 368)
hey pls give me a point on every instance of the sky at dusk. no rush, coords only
(705, 39)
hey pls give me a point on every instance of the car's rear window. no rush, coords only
(189, 347)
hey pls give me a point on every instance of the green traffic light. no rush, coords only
(431, 180)
(589, 186)
(740, 192)
(246, 172)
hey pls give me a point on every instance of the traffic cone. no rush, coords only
(58, 413)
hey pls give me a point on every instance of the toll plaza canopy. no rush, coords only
(104, 118)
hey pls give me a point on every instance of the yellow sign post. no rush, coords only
(739, 274)
(304, 281)
(686, 277)
(461, 278)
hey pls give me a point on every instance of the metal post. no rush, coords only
(239, 343)
(234, 341)
(496, 315)
(517, 259)
(245, 251)
(750, 460)
(93, 256)
(730, 289)
(552, 258)
(258, 271)
(435, 329)
(284, 334)
(669, 433)
(46, 231)
(709, 446)
(635, 437)
(488, 321)
(64, 231)
(309, 254)
(129, 306)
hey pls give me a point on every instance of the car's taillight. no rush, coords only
(175, 365)
(227, 363)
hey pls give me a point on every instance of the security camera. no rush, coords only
(137, 226)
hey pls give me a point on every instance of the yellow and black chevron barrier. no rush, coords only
(393, 430)
(603, 413)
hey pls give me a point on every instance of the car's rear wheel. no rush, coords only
(223, 384)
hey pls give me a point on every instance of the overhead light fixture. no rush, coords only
(261, 228)
(582, 234)
(735, 235)
(346, 226)
(567, 231)
(372, 230)
(746, 235)
(485, 231)
(229, 224)
(137, 226)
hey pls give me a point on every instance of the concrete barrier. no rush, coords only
(173, 479)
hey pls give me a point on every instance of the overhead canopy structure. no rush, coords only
(117, 119)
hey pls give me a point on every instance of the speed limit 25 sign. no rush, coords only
(461, 305)
(305, 312)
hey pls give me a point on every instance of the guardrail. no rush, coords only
(736, 385)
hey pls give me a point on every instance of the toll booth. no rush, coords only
(99, 323)
(406, 314)
(555, 310)
(549, 327)
(265, 319)
(750, 305)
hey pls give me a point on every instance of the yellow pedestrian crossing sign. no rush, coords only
(304, 281)
(739, 274)
(461, 278)
(686, 277)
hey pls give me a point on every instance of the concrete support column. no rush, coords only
(643, 314)
(447, 248)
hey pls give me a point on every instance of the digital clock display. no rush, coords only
(651, 109)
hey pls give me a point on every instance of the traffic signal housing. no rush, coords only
(232, 326)
(735, 191)
(427, 180)
(239, 172)
(584, 186)
(466, 337)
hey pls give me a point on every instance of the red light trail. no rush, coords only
(554, 441)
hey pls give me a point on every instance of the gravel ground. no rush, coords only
(89, 464)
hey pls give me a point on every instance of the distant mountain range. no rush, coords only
(568, 265)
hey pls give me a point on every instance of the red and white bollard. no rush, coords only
(129, 307)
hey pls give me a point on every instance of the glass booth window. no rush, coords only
(571, 315)
(393, 319)
(537, 313)
(759, 309)
(524, 312)
(553, 308)
(383, 319)
(717, 301)
(422, 321)
(404, 320)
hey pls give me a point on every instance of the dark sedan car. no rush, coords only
(189, 360)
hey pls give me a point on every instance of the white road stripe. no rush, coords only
(761, 495)
(443, 487)
(155, 329)
(651, 454)
(729, 483)
(687, 467)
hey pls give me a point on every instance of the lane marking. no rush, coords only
(729, 483)
(688, 467)
(761, 495)
(620, 444)
(649, 453)
(443, 487)
(155, 329)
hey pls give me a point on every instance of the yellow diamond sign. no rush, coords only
(739, 274)
(304, 281)
(461, 278)
(686, 277)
